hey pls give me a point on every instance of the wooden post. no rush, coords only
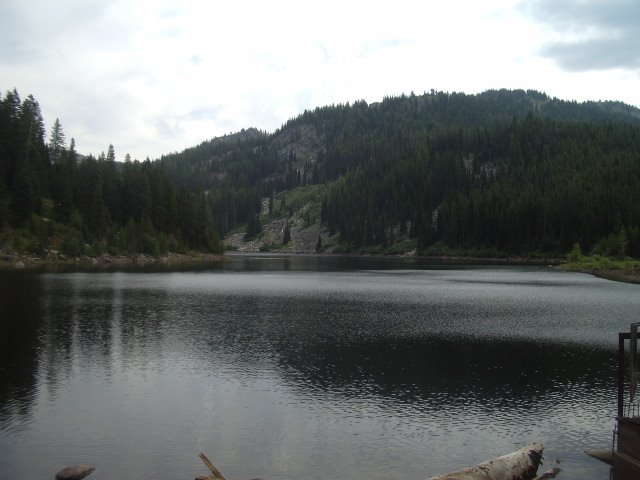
(621, 338)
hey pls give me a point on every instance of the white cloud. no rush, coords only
(590, 34)
(158, 76)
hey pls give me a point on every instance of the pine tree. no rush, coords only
(72, 157)
(111, 154)
(253, 226)
(271, 200)
(10, 136)
(99, 220)
(23, 198)
(33, 149)
(324, 210)
(56, 143)
(286, 238)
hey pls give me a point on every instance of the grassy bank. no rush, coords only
(619, 269)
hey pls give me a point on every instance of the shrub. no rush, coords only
(72, 244)
(148, 244)
(575, 255)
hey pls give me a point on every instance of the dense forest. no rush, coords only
(51, 198)
(529, 185)
(501, 172)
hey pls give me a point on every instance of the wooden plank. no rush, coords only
(605, 456)
(625, 467)
(629, 438)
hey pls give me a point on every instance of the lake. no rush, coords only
(303, 367)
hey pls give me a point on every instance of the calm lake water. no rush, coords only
(307, 368)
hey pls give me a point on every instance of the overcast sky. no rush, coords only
(153, 77)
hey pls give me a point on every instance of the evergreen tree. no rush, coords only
(253, 226)
(23, 198)
(57, 144)
(111, 154)
(32, 148)
(286, 238)
(72, 157)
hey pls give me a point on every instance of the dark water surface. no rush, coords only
(306, 368)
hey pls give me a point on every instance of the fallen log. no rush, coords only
(215, 472)
(519, 465)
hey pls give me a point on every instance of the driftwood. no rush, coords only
(216, 473)
(519, 465)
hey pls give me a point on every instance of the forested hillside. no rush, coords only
(499, 172)
(50, 199)
(502, 172)
(529, 185)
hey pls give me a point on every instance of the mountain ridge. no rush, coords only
(527, 101)
(428, 146)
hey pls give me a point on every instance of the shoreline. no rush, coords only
(453, 259)
(625, 270)
(54, 261)
(625, 276)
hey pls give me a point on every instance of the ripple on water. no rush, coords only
(377, 374)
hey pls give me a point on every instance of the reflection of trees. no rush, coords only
(143, 324)
(95, 321)
(51, 325)
(19, 316)
(343, 360)
(337, 346)
(75, 326)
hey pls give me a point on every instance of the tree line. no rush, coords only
(51, 197)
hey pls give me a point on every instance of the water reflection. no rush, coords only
(19, 322)
(438, 370)
(318, 371)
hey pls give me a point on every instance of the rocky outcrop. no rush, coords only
(304, 238)
(302, 141)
